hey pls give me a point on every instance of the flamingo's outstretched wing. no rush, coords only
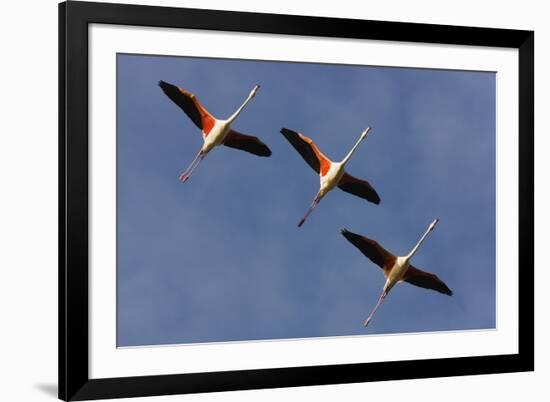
(426, 280)
(358, 187)
(246, 143)
(190, 105)
(371, 249)
(309, 151)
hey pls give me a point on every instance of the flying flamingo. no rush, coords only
(214, 131)
(331, 174)
(396, 269)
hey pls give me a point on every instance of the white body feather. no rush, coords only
(397, 272)
(331, 179)
(216, 136)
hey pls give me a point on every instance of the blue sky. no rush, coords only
(220, 258)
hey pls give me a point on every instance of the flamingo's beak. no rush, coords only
(254, 90)
(364, 133)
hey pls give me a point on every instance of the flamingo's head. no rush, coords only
(364, 133)
(254, 90)
(432, 225)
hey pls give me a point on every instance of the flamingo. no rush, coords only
(396, 269)
(331, 174)
(214, 131)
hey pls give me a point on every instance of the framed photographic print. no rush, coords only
(257, 200)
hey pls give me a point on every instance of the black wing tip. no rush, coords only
(375, 197)
(444, 289)
(286, 131)
(166, 87)
(266, 152)
(348, 235)
(253, 145)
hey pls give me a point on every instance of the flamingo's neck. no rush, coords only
(352, 150)
(239, 110)
(350, 153)
(415, 248)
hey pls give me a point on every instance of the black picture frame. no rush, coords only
(74, 381)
